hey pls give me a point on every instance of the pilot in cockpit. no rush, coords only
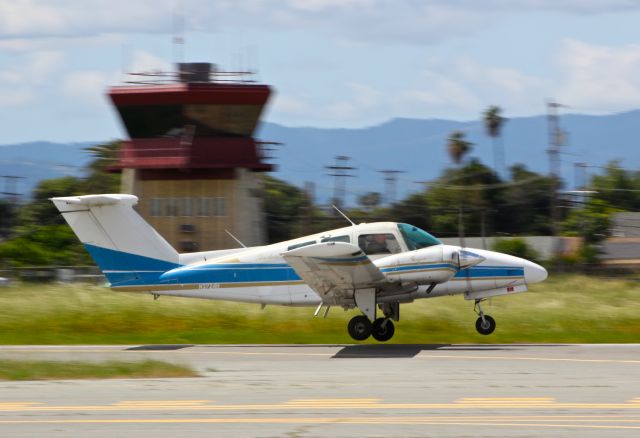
(377, 244)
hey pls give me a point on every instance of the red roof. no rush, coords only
(190, 93)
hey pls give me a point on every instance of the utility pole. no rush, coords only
(310, 190)
(556, 140)
(10, 188)
(390, 179)
(580, 175)
(341, 170)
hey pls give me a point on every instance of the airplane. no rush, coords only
(371, 266)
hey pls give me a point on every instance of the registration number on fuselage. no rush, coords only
(208, 285)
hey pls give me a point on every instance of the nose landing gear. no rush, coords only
(485, 325)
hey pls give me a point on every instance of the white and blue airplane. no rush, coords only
(371, 266)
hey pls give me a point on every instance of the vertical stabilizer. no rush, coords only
(125, 247)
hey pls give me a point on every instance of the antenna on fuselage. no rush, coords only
(235, 238)
(343, 215)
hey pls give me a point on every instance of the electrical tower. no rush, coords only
(390, 179)
(341, 170)
(557, 139)
(11, 189)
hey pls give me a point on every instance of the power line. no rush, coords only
(341, 170)
(390, 179)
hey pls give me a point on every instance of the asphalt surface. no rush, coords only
(337, 390)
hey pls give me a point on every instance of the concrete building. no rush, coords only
(191, 157)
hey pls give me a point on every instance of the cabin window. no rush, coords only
(300, 245)
(337, 239)
(415, 238)
(380, 243)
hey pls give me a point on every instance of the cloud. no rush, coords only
(15, 97)
(598, 77)
(408, 21)
(142, 61)
(22, 81)
(18, 45)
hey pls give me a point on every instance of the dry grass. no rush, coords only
(44, 370)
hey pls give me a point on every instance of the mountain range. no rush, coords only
(414, 146)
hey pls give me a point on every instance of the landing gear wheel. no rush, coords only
(359, 327)
(383, 329)
(487, 326)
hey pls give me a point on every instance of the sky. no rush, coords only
(332, 63)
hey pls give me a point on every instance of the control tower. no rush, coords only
(191, 157)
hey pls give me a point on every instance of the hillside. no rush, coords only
(412, 145)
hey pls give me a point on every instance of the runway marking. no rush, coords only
(543, 359)
(482, 403)
(161, 402)
(526, 421)
(424, 354)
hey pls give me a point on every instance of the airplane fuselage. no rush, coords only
(261, 275)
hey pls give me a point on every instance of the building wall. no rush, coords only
(193, 214)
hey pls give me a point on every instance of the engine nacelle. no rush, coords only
(435, 264)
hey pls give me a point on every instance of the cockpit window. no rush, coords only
(383, 243)
(417, 238)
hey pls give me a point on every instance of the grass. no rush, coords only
(41, 370)
(569, 308)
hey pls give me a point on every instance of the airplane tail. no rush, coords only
(125, 247)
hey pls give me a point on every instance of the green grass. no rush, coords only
(569, 308)
(42, 370)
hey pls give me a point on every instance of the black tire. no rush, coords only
(382, 332)
(487, 327)
(359, 328)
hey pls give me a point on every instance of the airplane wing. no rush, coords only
(334, 269)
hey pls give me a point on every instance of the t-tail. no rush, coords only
(124, 246)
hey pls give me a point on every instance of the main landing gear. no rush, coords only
(382, 329)
(484, 324)
(360, 328)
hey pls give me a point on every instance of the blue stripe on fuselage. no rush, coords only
(125, 269)
(231, 273)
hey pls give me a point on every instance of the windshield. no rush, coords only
(417, 238)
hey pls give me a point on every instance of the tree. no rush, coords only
(617, 187)
(458, 146)
(473, 189)
(285, 206)
(370, 200)
(592, 223)
(493, 122)
(525, 207)
(99, 177)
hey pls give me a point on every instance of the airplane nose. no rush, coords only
(534, 273)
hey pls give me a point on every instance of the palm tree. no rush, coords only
(458, 146)
(493, 122)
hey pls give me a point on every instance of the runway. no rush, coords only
(337, 390)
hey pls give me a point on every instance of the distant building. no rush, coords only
(191, 157)
(625, 224)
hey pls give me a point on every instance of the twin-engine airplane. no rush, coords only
(368, 266)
